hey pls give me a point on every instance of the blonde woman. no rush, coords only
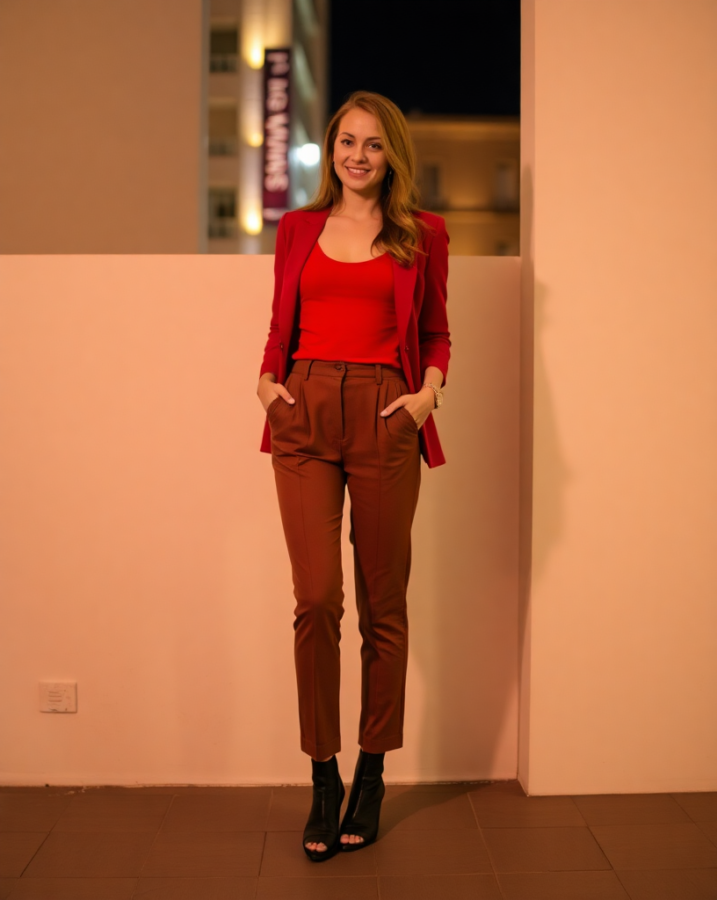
(353, 368)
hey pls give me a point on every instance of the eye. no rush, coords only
(345, 141)
(375, 146)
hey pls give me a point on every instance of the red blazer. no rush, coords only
(420, 297)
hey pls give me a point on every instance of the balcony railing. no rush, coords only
(222, 228)
(222, 146)
(223, 62)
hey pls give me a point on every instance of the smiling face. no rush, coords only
(359, 157)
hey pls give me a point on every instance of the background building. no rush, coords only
(239, 33)
(135, 126)
(469, 172)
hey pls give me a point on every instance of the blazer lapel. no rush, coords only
(306, 234)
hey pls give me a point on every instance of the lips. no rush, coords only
(358, 173)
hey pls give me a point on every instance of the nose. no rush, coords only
(358, 155)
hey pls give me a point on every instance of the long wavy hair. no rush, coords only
(401, 234)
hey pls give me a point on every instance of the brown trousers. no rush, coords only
(330, 438)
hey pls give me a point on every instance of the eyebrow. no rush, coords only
(348, 134)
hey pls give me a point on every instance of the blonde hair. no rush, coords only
(401, 234)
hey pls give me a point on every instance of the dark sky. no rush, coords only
(449, 57)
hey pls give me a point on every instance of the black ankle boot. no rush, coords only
(322, 826)
(364, 806)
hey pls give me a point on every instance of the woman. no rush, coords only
(357, 354)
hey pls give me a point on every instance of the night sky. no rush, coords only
(442, 57)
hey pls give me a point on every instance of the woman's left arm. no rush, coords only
(433, 335)
(434, 339)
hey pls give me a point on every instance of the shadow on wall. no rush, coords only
(544, 474)
(463, 598)
(551, 474)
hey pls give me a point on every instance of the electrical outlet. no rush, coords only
(58, 697)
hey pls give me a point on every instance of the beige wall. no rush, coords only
(142, 548)
(101, 109)
(619, 204)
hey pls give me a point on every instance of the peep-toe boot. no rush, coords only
(364, 807)
(322, 826)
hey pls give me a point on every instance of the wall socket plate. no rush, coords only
(58, 696)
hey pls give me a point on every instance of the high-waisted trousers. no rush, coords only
(332, 437)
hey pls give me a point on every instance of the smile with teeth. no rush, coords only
(357, 172)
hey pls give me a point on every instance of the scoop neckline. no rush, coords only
(344, 262)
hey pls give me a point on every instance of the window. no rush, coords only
(431, 186)
(222, 213)
(223, 130)
(506, 184)
(223, 48)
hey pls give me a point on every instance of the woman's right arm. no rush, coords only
(268, 388)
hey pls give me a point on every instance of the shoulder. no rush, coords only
(432, 220)
(296, 217)
(434, 227)
(434, 231)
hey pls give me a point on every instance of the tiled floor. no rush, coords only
(438, 842)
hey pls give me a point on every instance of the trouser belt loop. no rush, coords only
(379, 373)
(308, 369)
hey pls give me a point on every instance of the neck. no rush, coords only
(360, 206)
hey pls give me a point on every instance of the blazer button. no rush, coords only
(281, 346)
(406, 348)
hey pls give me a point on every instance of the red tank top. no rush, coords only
(347, 310)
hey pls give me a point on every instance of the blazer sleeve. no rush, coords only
(433, 335)
(272, 350)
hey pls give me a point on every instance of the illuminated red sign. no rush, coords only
(277, 69)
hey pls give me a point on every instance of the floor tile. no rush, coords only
(31, 812)
(196, 889)
(544, 849)
(445, 852)
(290, 807)
(562, 886)
(284, 857)
(512, 809)
(17, 848)
(699, 807)
(656, 846)
(205, 854)
(432, 887)
(126, 790)
(670, 884)
(513, 788)
(332, 888)
(38, 790)
(74, 889)
(6, 885)
(112, 812)
(631, 809)
(710, 830)
(246, 811)
(442, 787)
(94, 854)
(422, 810)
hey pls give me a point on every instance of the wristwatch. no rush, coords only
(436, 391)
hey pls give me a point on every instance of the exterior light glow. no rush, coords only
(309, 154)
(255, 139)
(255, 56)
(252, 222)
